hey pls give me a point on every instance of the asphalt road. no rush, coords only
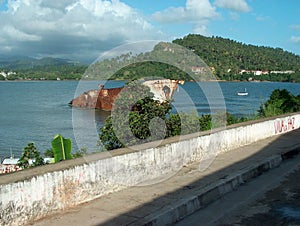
(270, 199)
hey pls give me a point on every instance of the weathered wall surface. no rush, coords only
(34, 193)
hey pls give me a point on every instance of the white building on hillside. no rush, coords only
(3, 74)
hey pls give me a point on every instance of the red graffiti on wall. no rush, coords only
(284, 125)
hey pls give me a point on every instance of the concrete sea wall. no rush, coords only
(31, 194)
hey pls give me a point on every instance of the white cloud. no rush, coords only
(295, 39)
(201, 29)
(71, 27)
(234, 15)
(56, 4)
(235, 5)
(194, 11)
(295, 26)
(13, 33)
(262, 18)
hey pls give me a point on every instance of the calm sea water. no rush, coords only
(37, 111)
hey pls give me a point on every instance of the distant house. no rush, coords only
(3, 74)
(11, 73)
(254, 72)
(244, 72)
(198, 69)
(257, 72)
(9, 165)
(282, 72)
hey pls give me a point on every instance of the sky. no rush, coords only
(83, 29)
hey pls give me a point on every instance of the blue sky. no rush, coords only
(83, 29)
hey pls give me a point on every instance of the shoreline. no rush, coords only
(94, 80)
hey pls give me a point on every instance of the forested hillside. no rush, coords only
(229, 57)
(23, 63)
(47, 68)
(228, 60)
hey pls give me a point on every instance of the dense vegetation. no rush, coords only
(133, 114)
(150, 69)
(49, 73)
(22, 63)
(30, 153)
(41, 69)
(166, 60)
(145, 120)
(280, 102)
(61, 150)
(67, 71)
(225, 57)
(138, 128)
(228, 57)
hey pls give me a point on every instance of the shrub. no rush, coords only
(280, 102)
(30, 153)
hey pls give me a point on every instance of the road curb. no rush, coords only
(183, 208)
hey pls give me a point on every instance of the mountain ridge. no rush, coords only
(228, 59)
(24, 62)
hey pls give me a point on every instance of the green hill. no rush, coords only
(23, 63)
(228, 60)
(229, 57)
(47, 68)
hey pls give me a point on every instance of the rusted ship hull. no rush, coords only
(97, 99)
(103, 99)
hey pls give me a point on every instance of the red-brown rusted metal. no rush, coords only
(102, 98)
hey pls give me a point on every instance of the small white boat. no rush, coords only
(242, 93)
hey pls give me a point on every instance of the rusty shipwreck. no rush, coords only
(103, 98)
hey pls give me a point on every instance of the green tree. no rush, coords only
(231, 119)
(80, 153)
(173, 125)
(183, 123)
(280, 102)
(135, 111)
(30, 153)
(205, 122)
(138, 118)
(49, 153)
(108, 137)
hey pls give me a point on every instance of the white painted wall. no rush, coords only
(36, 196)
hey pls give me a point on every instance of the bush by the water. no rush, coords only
(280, 102)
(30, 153)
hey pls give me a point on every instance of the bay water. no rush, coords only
(35, 111)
